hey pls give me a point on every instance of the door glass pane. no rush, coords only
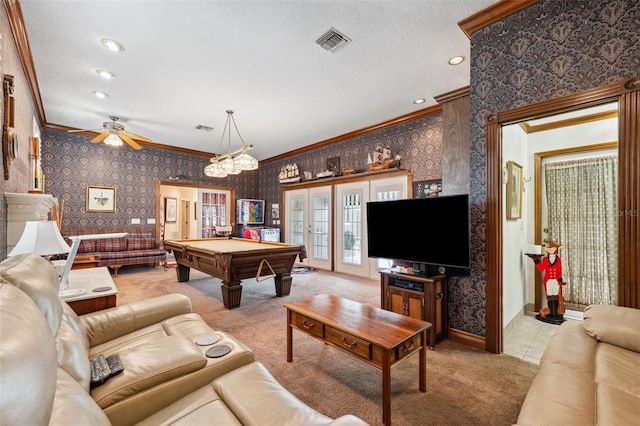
(213, 208)
(352, 229)
(297, 221)
(321, 228)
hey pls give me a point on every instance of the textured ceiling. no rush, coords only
(186, 62)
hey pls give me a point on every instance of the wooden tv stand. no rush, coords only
(418, 297)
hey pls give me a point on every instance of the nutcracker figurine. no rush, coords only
(551, 266)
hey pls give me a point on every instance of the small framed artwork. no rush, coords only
(427, 188)
(333, 164)
(275, 210)
(514, 190)
(101, 199)
(250, 212)
(170, 209)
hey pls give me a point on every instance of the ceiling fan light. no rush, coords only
(113, 140)
(245, 162)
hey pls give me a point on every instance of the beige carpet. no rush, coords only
(464, 386)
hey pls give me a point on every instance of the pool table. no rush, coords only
(234, 259)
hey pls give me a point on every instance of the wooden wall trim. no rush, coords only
(16, 22)
(629, 201)
(491, 14)
(465, 338)
(454, 94)
(435, 109)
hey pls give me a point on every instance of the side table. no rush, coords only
(89, 280)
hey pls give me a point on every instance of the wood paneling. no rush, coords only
(456, 116)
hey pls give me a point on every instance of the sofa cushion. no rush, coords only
(73, 405)
(27, 355)
(244, 391)
(73, 356)
(141, 243)
(111, 244)
(39, 280)
(149, 365)
(200, 407)
(87, 246)
(616, 325)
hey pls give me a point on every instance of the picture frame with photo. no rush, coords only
(514, 190)
(170, 210)
(427, 188)
(101, 199)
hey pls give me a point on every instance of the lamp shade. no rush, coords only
(245, 162)
(41, 237)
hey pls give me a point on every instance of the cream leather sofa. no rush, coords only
(45, 374)
(589, 373)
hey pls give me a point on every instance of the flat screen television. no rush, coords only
(430, 233)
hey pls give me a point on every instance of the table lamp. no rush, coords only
(41, 237)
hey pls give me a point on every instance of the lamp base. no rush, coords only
(71, 292)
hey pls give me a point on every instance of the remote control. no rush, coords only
(115, 364)
(100, 370)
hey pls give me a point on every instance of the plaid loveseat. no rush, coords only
(138, 247)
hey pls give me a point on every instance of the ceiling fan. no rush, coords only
(113, 133)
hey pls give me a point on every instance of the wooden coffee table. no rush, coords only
(376, 336)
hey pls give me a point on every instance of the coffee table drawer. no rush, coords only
(408, 347)
(307, 324)
(349, 343)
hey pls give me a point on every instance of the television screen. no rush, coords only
(432, 231)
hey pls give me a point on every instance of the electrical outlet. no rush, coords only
(151, 221)
(135, 221)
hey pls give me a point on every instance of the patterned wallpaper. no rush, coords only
(549, 49)
(71, 163)
(419, 142)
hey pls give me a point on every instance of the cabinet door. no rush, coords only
(415, 305)
(396, 299)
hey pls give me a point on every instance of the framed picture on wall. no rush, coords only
(427, 188)
(514, 190)
(170, 209)
(101, 199)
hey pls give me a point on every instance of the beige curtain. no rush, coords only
(583, 217)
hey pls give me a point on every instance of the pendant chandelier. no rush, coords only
(226, 164)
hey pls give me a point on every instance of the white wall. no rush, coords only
(181, 193)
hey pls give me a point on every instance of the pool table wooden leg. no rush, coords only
(283, 284)
(231, 294)
(182, 272)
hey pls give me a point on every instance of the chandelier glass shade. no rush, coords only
(226, 164)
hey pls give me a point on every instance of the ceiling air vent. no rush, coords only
(204, 128)
(333, 40)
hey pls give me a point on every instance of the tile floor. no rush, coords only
(527, 338)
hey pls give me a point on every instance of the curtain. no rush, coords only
(583, 217)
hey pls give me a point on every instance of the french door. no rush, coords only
(212, 210)
(308, 214)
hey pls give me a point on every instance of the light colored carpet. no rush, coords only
(464, 386)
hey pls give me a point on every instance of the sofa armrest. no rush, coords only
(108, 324)
(616, 325)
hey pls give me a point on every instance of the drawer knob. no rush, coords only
(307, 325)
(349, 345)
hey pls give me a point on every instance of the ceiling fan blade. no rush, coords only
(84, 130)
(130, 141)
(133, 135)
(100, 137)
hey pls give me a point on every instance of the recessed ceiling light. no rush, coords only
(106, 74)
(99, 94)
(419, 101)
(456, 60)
(112, 45)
